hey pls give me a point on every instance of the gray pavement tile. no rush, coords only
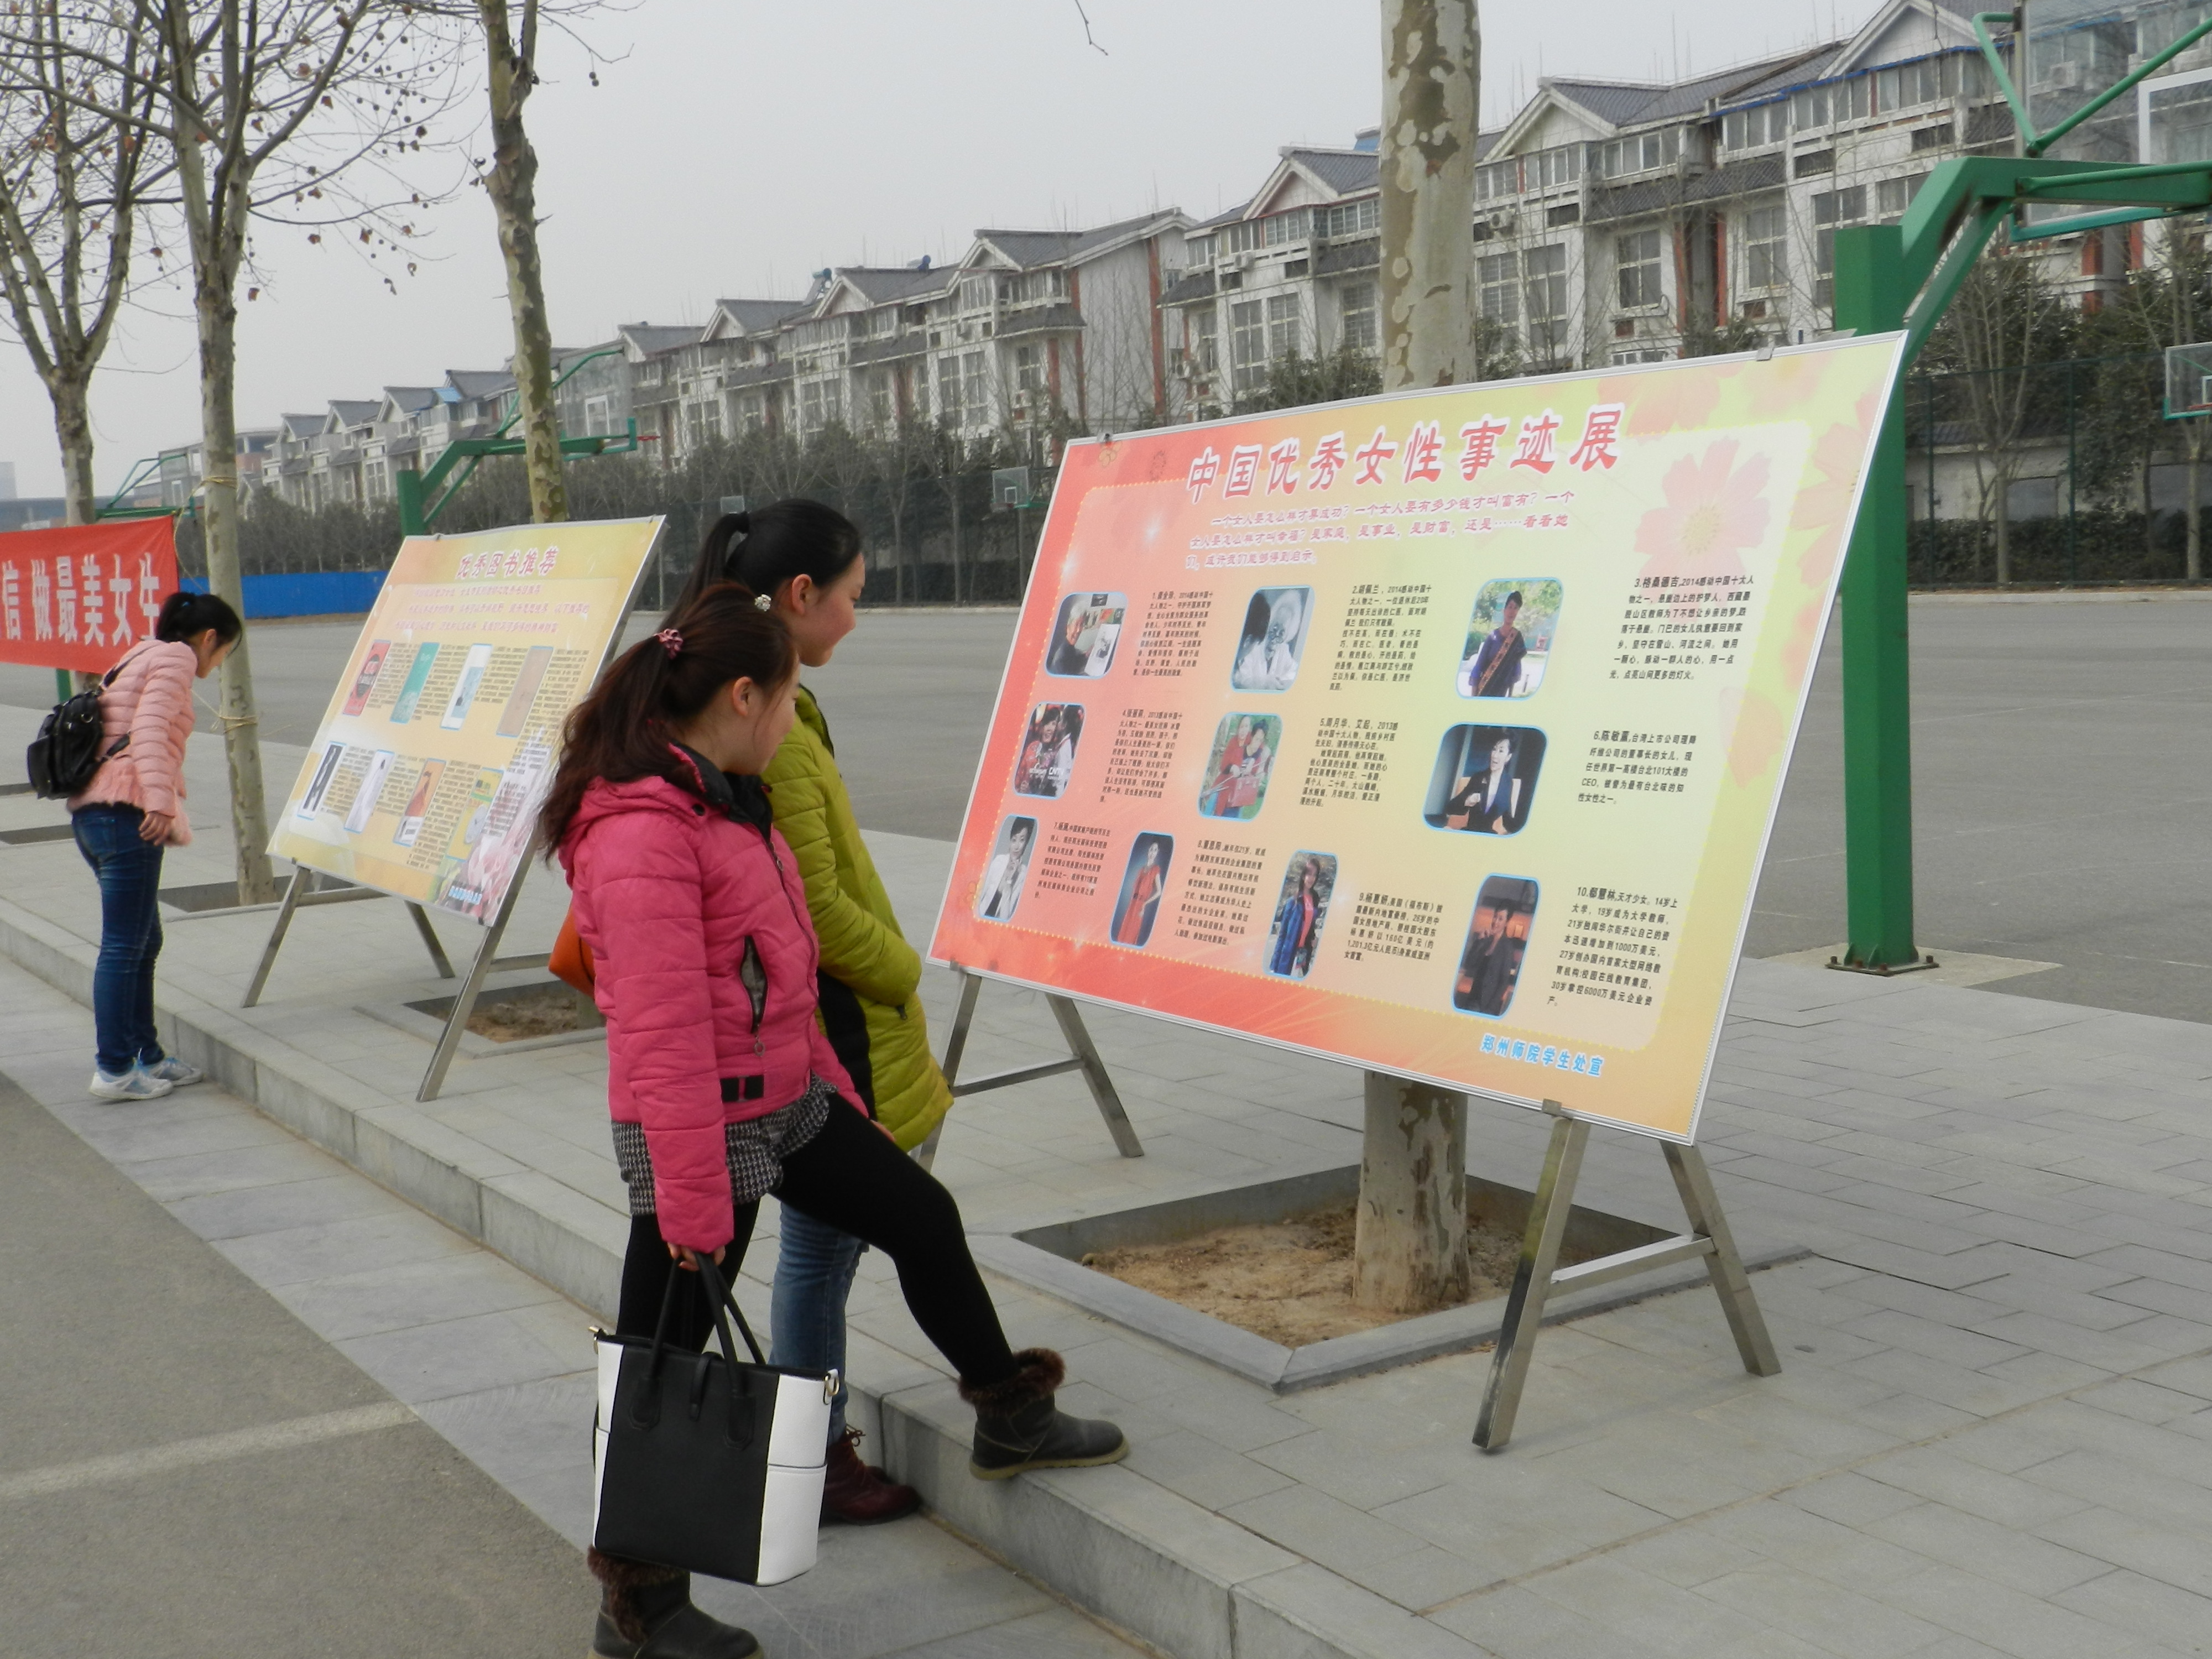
(1963, 1389)
(1851, 1498)
(2191, 1376)
(1055, 1633)
(1423, 1577)
(2157, 1296)
(1842, 1621)
(485, 1350)
(321, 1250)
(1937, 1339)
(2129, 1347)
(168, 1179)
(1665, 1617)
(2154, 1610)
(2154, 1550)
(245, 1211)
(1517, 1622)
(1848, 1556)
(1988, 1548)
(1913, 1417)
(2014, 1622)
(1322, 1528)
(1207, 1473)
(1686, 1555)
(2179, 1500)
(522, 1431)
(1939, 1474)
(2145, 1401)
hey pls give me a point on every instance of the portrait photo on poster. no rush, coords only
(1084, 634)
(1009, 867)
(464, 690)
(1236, 771)
(371, 785)
(1497, 940)
(1509, 636)
(1046, 759)
(1273, 639)
(1308, 882)
(1145, 876)
(418, 803)
(311, 803)
(371, 665)
(1484, 779)
(410, 693)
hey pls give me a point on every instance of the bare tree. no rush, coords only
(275, 111)
(1410, 1246)
(74, 183)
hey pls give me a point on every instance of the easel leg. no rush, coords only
(438, 957)
(296, 886)
(971, 986)
(464, 1002)
(1748, 1326)
(1532, 1282)
(1094, 1073)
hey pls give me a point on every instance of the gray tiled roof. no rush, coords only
(411, 399)
(352, 411)
(879, 284)
(759, 316)
(1347, 172)
(1190, 286)
(301, 426)
(479, 382)
(1030, 247)
(650, 337)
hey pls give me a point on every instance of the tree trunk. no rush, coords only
(2194, 569)
(1432, 57)
(73, 429)
(2004, 530)
(1410, 1250)
(218, 235)
(512, 185)
(1410, 1247)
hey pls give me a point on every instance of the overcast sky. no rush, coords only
(734, 146)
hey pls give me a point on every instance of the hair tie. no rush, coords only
(671, 641)
(761, 601)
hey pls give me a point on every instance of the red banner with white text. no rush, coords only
(79, 596)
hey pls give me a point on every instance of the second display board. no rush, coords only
(1440, 732)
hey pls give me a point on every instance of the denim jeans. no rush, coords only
(814, 1269)
(130, 872)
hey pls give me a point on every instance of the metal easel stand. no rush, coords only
(1083, 1057)
(298, 893)
(489, 961)
(1539, 1274)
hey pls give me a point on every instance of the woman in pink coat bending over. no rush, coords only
(133, 809)
(723, 1087)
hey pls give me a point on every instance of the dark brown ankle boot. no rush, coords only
(1019, 1427)
(858, 1494)
(646, 1612)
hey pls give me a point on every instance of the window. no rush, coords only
(1353, 218)
(820, 402)
(1497, 281)
(1544, 273)
(977, 292)
(1029, 368)
(1283, 314)
(1893, 196)
(1830, 209)
(1636, 258)
(1901, 86)
(1750, 129)
(1497, 180)
(949, 407)
(1766, 247)
(883, 407)
(976, 386)
(1357, 309)
(1811, 163)
(1640, 154)
(1280, 228)
(1205, 342)
(882, 323)
(1810, 109)
(1840, 207)
(1248, 345)
(1938, 136)
(1548, 169)
(1198, 250)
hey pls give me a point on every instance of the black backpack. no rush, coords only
(63, 759)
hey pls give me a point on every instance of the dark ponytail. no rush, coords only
(623, 730)
(184, 616)
(765, 548)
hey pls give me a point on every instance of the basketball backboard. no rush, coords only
(2187, 381)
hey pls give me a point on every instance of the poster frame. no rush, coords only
(1687, 1137)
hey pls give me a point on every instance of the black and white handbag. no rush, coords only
(705, 1464)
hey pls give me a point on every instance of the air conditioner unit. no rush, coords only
(1247, 259)
(2064, 77)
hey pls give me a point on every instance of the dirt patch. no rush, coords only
(542, 1010)
(1289, 1281)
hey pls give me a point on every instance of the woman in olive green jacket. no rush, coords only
(805, 559)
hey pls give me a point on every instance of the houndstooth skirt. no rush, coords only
(756, 1148)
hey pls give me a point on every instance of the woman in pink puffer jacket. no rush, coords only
(722, 1085)
(134, 807)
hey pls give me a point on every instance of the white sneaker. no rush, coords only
(177, 1073)
(133, 1085)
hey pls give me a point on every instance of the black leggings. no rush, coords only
(852, 1177)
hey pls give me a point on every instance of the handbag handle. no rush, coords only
(646, 1410)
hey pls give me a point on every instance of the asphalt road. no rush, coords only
(188, 1470)
(2062, 766)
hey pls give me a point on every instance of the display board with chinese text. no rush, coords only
(426, 773)
(79, 596)
(1438, 733)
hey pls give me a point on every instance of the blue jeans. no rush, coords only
(814, 1269)
(130, 872)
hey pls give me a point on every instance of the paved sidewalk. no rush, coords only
(1993, 1433)
(495, 1362)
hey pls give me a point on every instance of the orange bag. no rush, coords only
(571, 961)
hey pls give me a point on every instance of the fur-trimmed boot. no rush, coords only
(1018, 1426)
(646, 1612)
